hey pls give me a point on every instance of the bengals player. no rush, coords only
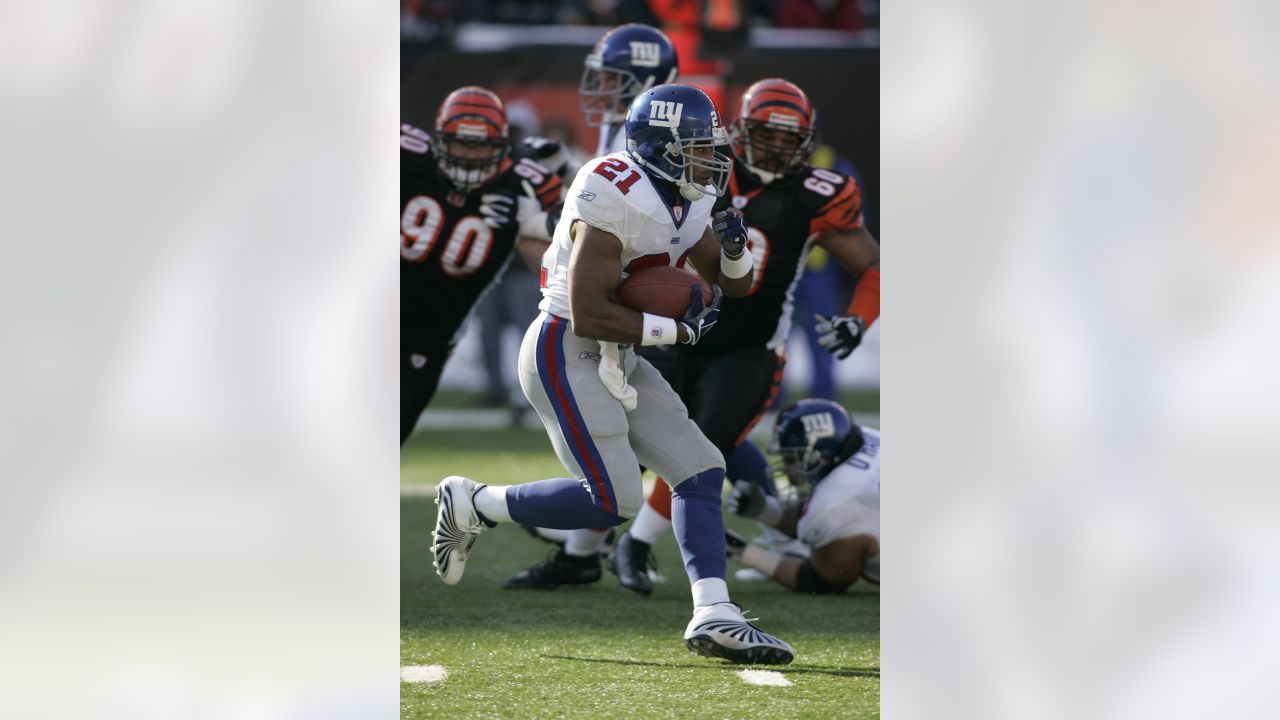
(789, 207)
(466, 206)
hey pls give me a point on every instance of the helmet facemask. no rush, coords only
(771, 150)
(470, 159)
(695, 165)
(604, 93)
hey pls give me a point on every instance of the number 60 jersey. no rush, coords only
(613, 194)
(449, 255)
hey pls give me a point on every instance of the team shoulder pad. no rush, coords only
(835, 199)
(599, 200)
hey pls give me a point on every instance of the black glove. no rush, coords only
(731, 231)
(747, 499)
(734, 544)
(700, 317)
(839, 334)
(498, 210)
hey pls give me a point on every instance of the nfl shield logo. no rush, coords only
(677, 212)
(457, 199)
(739, 202)
(419, 361)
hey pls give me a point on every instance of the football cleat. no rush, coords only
(721, 631)
(558, 569)
(630, 561)
(457, 526)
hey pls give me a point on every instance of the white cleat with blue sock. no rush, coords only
(720, 630)
(457, 527)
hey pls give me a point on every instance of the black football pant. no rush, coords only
(419, 377)
(725, 393)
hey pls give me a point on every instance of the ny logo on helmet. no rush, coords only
(664, 113)
(645, 54)
(820, 425)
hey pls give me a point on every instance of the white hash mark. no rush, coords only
(423, 673)
(763, 677)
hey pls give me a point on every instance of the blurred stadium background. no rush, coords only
(531, 54)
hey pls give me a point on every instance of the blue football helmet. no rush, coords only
(628, 60)
(674, 132)
(813, 437)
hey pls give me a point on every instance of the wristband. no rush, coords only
(658, 330)
(766, 561)
(734, 269)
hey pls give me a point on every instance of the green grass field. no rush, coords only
(599, 651)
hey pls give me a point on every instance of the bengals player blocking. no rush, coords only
(466, 206)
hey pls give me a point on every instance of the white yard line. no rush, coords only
(763, 677)
(423, 673)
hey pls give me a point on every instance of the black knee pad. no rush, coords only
(809, 581)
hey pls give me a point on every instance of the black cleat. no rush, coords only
(558, 569)
(630, 561)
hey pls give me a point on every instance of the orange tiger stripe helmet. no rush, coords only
(774, 133)
(471, 133)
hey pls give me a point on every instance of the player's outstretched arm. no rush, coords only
(858, 252)
(595, 266)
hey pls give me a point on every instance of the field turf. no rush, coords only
(599, 651)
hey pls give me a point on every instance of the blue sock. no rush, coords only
(559, 503)
(746, 462)
(699, 525)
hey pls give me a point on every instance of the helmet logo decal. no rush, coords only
(819, 425)
(472, 130)
(645, 54)
(665, 113)
(784, 119)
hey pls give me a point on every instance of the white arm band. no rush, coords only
(533, 219)
(735, 269)
(659, 330)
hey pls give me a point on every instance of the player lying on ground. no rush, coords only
(836, 464)
(465, 207)
(605, 409)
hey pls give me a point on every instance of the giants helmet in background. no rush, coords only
(627, 61)
(814, 436)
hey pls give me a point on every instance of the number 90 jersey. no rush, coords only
(613, 194)
(449, 254)
(782, 220)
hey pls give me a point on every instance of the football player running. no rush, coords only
(465, 207)
(789, 207)
(605, 409)
(625, 62)
(836, 464)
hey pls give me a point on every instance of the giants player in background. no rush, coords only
(465, 207)
(835, 466)
(605, 409)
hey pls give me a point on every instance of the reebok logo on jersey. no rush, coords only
(418, 361)
(645, 54)
(665, 113)
(586, 195)
(819, 426)
(589, 356)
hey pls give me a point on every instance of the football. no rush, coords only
(663, 291)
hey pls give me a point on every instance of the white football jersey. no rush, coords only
(846, 503)
(613, 194)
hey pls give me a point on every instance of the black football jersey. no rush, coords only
(449, 255)
(782, 219)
